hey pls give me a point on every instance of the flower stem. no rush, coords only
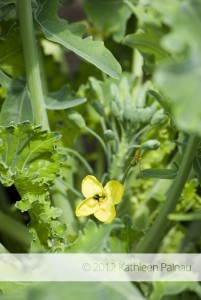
(155, 234)
(80, 157)
(32, 63)
(126, 174)
(69, 187)
(98, 138)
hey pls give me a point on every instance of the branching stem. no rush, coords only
(156, 232)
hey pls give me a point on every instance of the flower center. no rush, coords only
(99, 197)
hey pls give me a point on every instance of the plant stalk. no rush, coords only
(20, 234)
(153, 237)
(32, 62)
(35, 83)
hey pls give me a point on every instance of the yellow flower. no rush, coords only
(100, 200)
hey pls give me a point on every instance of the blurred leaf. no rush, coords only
(161, 289)
(57, 30)
(59, 290)
(78, 28)
(63, 99)
(190, 199)
(147, 42)
(162, 100)
(6, 2)
(11, 55)
(126, 238)
(93, 239)
(13, 290)
(159, 173)
(102, 290)
(17, 106)
(104, 14)
(179, 78)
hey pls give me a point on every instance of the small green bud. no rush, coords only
(150, 145)
(128, 113)
(99, 108)
(158, 117)
(114, 109)
(76, 118)
(109, 135)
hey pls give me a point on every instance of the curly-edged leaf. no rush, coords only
(86, 244)
(17, 106)
(29, 160)
(44, 227)
(104, 14)
(63, 99)
(159, 173)
(57, 30)
(29, 152)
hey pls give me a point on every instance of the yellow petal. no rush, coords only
(91, 186)
(114, 191)
(106, 212)
(86, 207)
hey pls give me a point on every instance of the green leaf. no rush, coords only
(17, 106)
(94, 238)
(57, 30)
(102, 290)
(30, 161)
(126, 237)
(104, 14)
(164, 101)
(147, 42)
(161, 289)
(159, 173)
(179, 78)
(6, 2)
(11, 57)
(63, 99)
(13, 290)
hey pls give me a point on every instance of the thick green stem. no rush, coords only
(156, 232)
(32, 62)
(34, 82)
(20, 234)
(4, 200)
